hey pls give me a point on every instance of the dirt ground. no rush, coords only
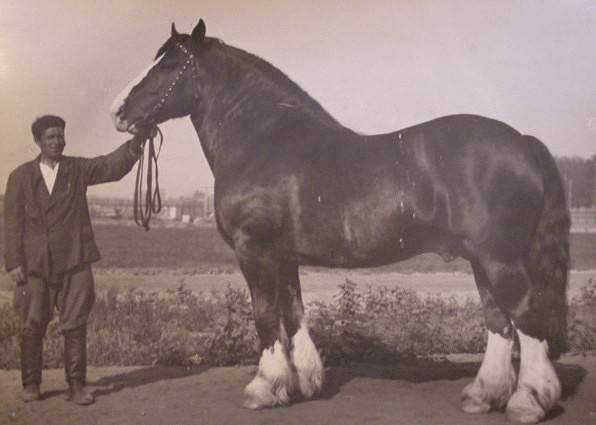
(423, 392)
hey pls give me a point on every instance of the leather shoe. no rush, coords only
(31, 393)
(79, 394)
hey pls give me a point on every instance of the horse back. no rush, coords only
(329, 197)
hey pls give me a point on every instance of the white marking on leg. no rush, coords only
(496, 379)
(307, 361)
(119, 100)
(538, 388)
(274, 381)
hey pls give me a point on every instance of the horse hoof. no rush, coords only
(524, 408)
(474, 400)
(312, 384)
(260, 394)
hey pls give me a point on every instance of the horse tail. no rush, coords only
(548, 258)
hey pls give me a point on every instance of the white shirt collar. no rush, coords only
(49, 175)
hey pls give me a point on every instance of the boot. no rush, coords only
(31, 364)
(75, 366)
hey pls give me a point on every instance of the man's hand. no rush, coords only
(138, 141)
(17, 275)
(136, 144)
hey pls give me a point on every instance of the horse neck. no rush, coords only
(242, 94)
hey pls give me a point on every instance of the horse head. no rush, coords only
(166, 89)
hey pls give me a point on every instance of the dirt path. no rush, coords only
(423, 393)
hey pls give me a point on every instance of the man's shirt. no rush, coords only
(49, 175)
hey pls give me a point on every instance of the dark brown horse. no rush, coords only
(294, 187)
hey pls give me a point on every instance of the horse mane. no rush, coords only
(292, 95)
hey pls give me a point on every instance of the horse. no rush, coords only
(293, 186)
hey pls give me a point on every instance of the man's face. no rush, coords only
(52, 143)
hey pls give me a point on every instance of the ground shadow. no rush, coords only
(139, 377)
(571, 377)
(416, 370)
(425, 370)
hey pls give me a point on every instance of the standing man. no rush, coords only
(50, 248)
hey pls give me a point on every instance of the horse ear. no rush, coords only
(198, 34)
(174, 31)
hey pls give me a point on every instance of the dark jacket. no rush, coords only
(48, 235)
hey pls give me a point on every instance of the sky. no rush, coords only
(376, 66)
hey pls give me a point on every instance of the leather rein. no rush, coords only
(145, 206)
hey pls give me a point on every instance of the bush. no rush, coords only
(386, 324)
(178, 327)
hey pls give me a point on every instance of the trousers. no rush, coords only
(73, 295)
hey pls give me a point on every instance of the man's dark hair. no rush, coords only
(42, 123)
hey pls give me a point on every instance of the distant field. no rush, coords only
(201, 249)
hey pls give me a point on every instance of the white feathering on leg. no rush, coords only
(496, 378)
(538, 388)
(274, 381)
(307, 361)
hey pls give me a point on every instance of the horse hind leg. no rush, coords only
(304, 355)
(538, 387)
(275, 381)
(496, 379)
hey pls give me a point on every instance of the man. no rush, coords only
(50, 246)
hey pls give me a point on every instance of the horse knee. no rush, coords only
(511, 289)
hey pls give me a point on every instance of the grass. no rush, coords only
(378, 325)
(201, 249)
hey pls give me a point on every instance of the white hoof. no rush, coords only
(474, 399)
(524, 408)
(308, 363)
(274, 382)
(261, 393)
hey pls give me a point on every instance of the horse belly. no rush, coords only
(357, 235)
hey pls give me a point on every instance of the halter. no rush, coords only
(152, 200)
(189, 61)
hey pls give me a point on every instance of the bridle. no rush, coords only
(193, 74)
(142, 211)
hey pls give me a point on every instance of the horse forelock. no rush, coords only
(170, 43)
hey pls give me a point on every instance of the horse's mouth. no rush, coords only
(140, 125)
(132, 127)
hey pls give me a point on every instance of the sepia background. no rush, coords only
(172, 312)
(376, 66)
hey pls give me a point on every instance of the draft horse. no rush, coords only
(294, 187)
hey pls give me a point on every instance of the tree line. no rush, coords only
(579, 177)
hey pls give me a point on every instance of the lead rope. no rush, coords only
(143, 208)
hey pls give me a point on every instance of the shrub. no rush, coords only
(178, 327)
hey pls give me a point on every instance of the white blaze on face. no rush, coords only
(119, 100)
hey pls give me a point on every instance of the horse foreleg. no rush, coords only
(303, 354)
(496, 379)
(275, 380)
